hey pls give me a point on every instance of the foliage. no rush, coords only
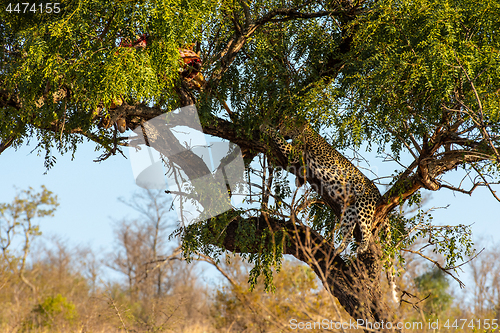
(296, 295)
(413, 225)
(46, 312)
(268, 256)
(424, 50)
(79, 49)
(411, 58)
(434, 285)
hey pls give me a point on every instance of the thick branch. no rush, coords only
(430, 167)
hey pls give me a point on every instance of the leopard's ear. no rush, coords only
(291, 128)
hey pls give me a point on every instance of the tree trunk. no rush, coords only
(356, 283)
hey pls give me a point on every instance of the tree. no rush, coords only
(433, 285)
(19, 219)
(159, 284)
(419, 79)
(140, 246)
(486, 287)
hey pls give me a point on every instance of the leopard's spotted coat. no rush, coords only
(349, 188)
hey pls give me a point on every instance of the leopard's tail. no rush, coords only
(392, 284)
(391, 271)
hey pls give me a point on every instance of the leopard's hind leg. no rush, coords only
(347, 224)
(365, 223)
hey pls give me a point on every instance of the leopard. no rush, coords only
(345, 183)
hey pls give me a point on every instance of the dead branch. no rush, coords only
(438, 265)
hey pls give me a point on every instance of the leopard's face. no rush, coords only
(289, 132)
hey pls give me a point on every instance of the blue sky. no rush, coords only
(87, 191)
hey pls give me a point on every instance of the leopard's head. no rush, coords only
(291, 128)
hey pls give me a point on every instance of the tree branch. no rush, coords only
(487, 183)
(6, 144)
(438, 265)
(457, 189)
(238, 40)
